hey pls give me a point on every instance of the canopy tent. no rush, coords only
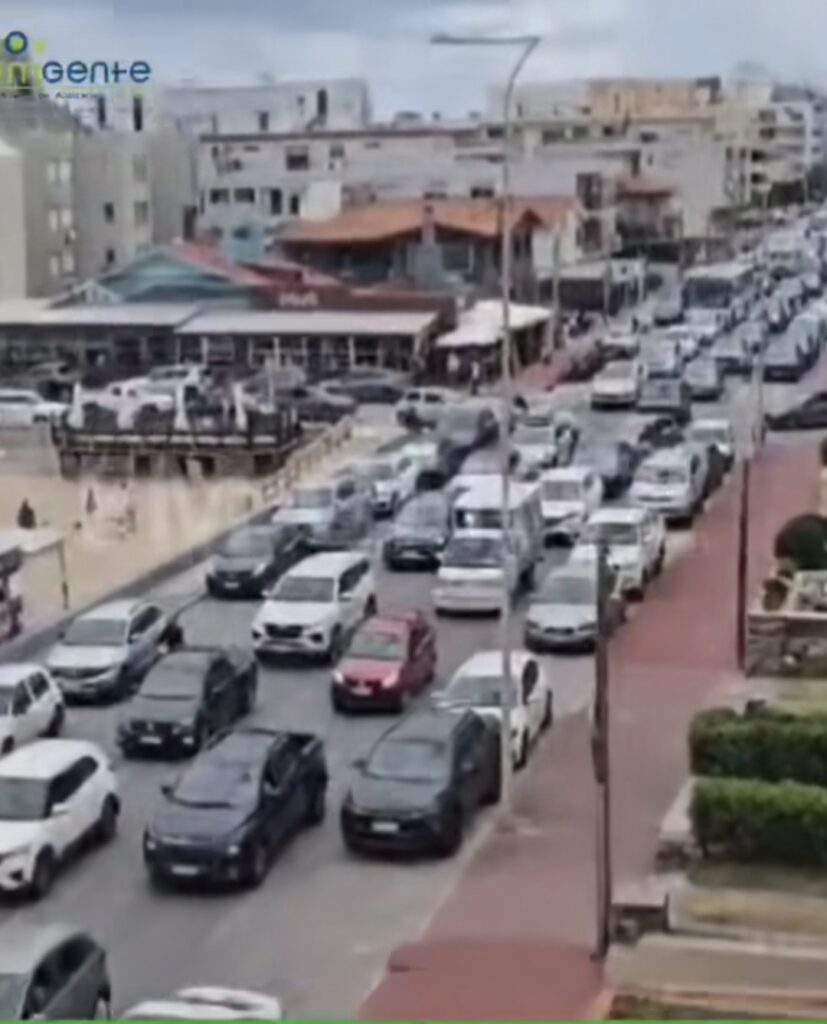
(481, 326)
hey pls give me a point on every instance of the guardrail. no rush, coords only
(305, 459)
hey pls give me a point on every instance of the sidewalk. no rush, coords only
(527, 898)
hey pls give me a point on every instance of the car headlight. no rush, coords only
(390, 682)
(338, 679)
(149, 842)
(234, 850)
(17, 851)
(261, 568)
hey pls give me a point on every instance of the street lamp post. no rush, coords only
(526, 45)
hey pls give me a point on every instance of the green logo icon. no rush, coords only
(16, 43)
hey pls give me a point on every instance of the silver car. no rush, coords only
(105, 651)
(563, 614)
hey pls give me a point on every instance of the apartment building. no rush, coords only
(12, 225)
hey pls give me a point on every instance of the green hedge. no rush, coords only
(803, 541)
(743, 820)
(765, 744)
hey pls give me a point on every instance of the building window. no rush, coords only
(551, 135)
(297, 159)
(456, 257)
(67, 218)
(141, 214)
(337, 151)
(263, 121)
(109, 213)
(54, 219)
(110, 257)
(139, 168)
(494, 132)
(54, 267)
(64, 171)
(52, 172)
(295, 205)
(244, 195)
(482, 192)
(68, 262)
(138, 113)
(321, 104)
(276, 202)
(100, 108)
(214, 124)
(219, 196)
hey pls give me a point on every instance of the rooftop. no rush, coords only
(482, 324)
(308, 322)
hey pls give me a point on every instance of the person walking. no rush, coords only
(26, 518)
(476, 376)
(453, 369)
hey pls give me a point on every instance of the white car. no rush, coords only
(208, 1003)
(31, 705)
(636, 545)
(620, 342)
(477, 684)
(316, 606)
(21, 408)
(716, 433)
(393, 481)
(673, 482)
(55, 795)
(686, 338)
(423, 407)
(617, 386)
(568, 497)
(127, 398)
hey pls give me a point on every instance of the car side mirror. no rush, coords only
(360, 763)
(59, 811)
(166, 788)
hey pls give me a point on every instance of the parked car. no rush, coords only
(419, 785)
(316, 404)
(685, 337)
(660, 359)
(56, 796)
(419, 533)
(672, 481)
(468, 425)
(370, 384)
(584, 362)
(617, 386)
(754, 335)
(315, 607)
(332, 513)
(539, 448)
(619, 343)
(661, 432)
(423, 407)
(668, 308)
(31, 705)
(477, 684)
(105, 652)
(568, 497)
(390, 660)
(636, 543)
(392, 479)
(53, 972)
(470, 575)
(705, 379)
(21, 408)
(783, 362)
(614, 461)
(733, 355)
(191, 694)
(434, 462)
(563, 612)
(667, 397)
(250, 561)
(717, 433)
(212, 1003)
(808, 414)
(228, 815)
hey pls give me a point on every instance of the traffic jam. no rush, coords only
(342, 674)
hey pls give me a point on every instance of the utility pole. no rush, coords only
(742, 565)
(601, 759)
(557, 257)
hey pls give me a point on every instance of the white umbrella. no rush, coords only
(240, 408)
(75, 417)
(181, 422)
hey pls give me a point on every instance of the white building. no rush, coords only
(12, 225)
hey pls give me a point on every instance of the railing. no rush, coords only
(306, 459)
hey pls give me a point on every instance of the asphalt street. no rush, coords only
(319, 930)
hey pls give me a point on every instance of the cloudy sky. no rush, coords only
(386, 41)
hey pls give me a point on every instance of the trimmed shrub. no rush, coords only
(803, 541)
(822, 451)
(766, 744)
(743, 820)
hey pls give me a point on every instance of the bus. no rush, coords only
(726, 289)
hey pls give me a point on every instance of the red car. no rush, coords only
(391, 659)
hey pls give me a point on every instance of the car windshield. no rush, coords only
(312, 497)
(475, 691)
(612, 533)
(617, 371)
(213, 785)
(568, 590)
(6, 695)
(710, 434)
(473, 552)
(532, 435)
(661, 475)
(478, 518)
(701, 369)
(12, 990)
(23, 799)
(171, 680)
(423, 514)
(378, 471)
(250, 543)
(660, 391)
(378, 645)
(562, 490)
(409, 761)
(95, 633)
(305, 588)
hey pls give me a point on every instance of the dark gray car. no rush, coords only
(52, 972)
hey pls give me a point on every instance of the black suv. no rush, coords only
(189, 695)
(251, 560)
(421, 783)
(226, 817)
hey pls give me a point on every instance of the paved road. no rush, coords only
(318, 932)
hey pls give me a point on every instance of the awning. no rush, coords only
(481, 326)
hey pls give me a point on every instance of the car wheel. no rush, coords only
(659, 561)
(55, 726)
(548, 713)
(521, 759)
(451, 837)
(257, 865)
(107, 825)
(43, 875)
(103, 1007)
(370, 606)
(201, 736)
(316, 806)
(8, 746)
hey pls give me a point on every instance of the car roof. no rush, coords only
(123, 609)
(243, 745)
(327, 563)
(44, 759)
(13, 672)
(434, 724)
(400, 623)
(491, 663)
(673, 456)
(575, 473)
(28, 943)
(618, 514)
(582, 570)
(712, 423)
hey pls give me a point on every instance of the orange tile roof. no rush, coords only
(376, 222)
(211, 258)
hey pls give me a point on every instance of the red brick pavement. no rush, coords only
(513, 939)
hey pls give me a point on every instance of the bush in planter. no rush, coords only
(744, 820)
(803, 542)
(766, 744)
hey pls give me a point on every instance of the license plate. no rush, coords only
(231, 584)
(184, 870)
(154, 741)
(361, 689)
(385, 827)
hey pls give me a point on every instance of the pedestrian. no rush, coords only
(476, 376)
(26, 518)
(453, 369)
(173, 636)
